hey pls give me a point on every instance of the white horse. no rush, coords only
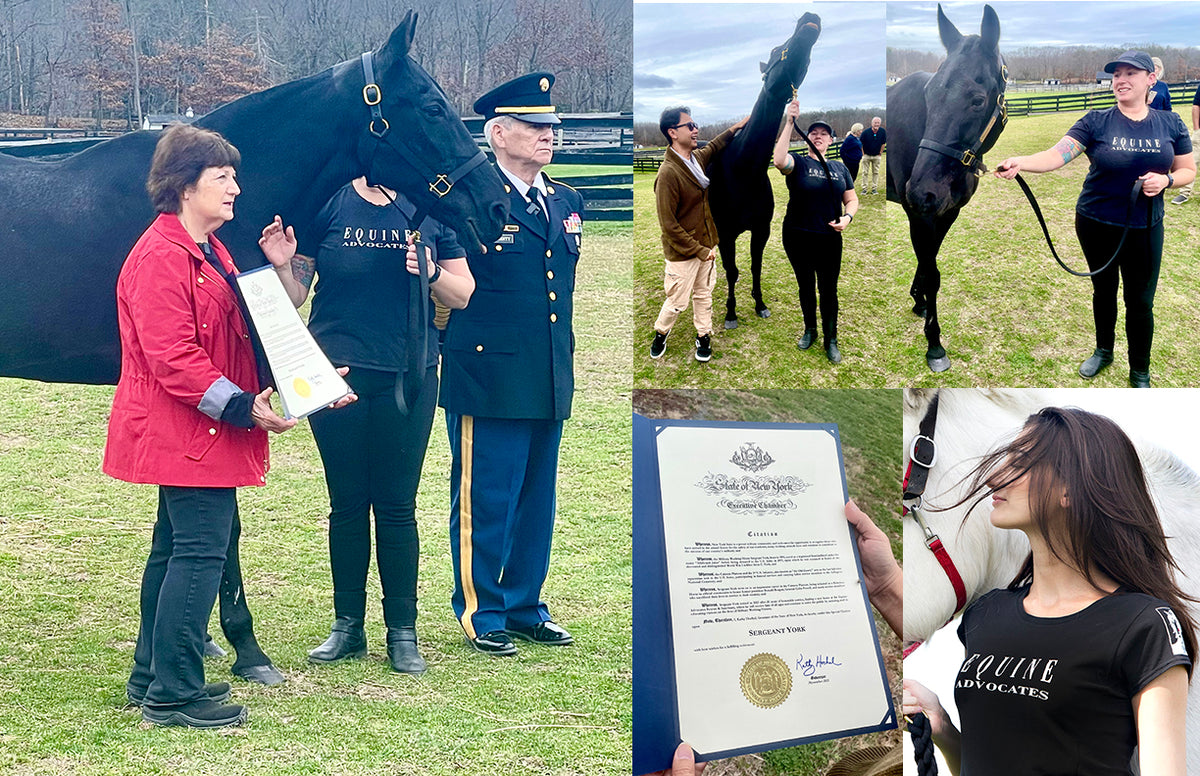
(971, 423)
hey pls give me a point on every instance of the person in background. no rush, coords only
(874, 141)
(1160, 97)
(852, 149)
(1186, 192)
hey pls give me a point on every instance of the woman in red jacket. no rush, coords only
(187, 416)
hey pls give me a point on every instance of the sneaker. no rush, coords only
(218, 692)
(197, 714)
(1179, 200)
(703, 347)
(659, 345)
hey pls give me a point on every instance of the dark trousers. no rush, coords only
(179, 587)
(816, 258)
(1138, 266)
(852, 166)
(373, 455)
(502, 504)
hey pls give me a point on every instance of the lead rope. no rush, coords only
(922, 738)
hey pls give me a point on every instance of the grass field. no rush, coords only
(1010, 316)
(870, 426)
(73, 543)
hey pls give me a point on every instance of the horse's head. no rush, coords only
(969, 423)
(965, 114)
(413, 141)
(788, 65)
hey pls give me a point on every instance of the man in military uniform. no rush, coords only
(507, 381)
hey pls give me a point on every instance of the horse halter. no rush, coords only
(922, 457)
(973, 157)
(440, 183)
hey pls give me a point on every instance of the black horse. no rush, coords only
(67, 226)
(940, 126)
(740, 194)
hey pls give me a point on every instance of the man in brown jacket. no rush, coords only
(689, 236)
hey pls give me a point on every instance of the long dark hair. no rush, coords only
(1109, 525)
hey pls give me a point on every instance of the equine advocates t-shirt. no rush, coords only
(813, 199)
(360, 304)
(1121, 151)
(1054, 695)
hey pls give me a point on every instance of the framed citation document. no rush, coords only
(304, 378)
(751, 624)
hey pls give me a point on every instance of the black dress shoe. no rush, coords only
(402, 651)
(218, 692)
(1096, 363)
(807, 339)
(548, 632)
(1139, 379)
(198, 714)
(347, 639)
(495, 643)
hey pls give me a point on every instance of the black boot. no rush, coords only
(402, 651)
(348, 639)
(1096, 363)
(807, 338)
(1139, 378)
(831, 349)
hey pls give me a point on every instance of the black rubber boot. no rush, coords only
(1139, 379)
(1096, 363)
(347, 639)
(402, 651)
(807, 339)
(831, 349)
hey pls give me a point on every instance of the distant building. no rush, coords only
(161, 120)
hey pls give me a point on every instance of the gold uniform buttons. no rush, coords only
(549, 189)
(553, 318)
(204, 326)
(499, 247)
(548, 254)
(479, 348)
(553, 296)
(200, 279)
(212, 432)
(550, 274)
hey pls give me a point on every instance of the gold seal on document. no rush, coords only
(301, 387)
(766, 680)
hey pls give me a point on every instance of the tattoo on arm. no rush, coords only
(303, 269)
(1068, 148)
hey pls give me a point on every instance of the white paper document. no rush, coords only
(304, 378)
(772, 635)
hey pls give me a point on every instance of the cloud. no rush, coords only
(651, 81)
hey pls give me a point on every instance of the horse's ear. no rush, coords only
(989, 30)
(947, 31)
(762, 67)
(399, 43)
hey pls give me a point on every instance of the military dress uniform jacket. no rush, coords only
(509, 353)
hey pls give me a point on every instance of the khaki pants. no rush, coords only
(683, 280)
(870, 171)
(1187, 190)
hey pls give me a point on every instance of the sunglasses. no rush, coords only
(689, 125)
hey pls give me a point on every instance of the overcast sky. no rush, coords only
(1103, 23)
(706, 56)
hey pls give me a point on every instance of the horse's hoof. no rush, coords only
(730, 323)
(919, 310)
(764, 313)
(213, 649)
(268, 674)
(938, 364)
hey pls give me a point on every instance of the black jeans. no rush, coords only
(179, 587)
(816, 259)
(373, 456)
(1138, 267)
(852, 166)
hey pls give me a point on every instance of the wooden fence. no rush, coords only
(1181, 93)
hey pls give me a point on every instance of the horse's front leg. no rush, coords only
(728, 250)
(758, 242)
(252, 663)
(917, 292)
(927, 236)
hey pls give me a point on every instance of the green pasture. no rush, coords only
(73, 543)
(1010, 316)
(869, 424)
(761, 353)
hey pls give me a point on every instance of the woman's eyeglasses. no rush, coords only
(689, 125)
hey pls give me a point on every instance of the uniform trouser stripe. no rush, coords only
(466, 453)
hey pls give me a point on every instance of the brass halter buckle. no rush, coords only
(372, 94)
(442, 180)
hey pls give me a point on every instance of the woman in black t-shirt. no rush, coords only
(373, 450)
(1125, 143)
(1087, 654)
(812, 228)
